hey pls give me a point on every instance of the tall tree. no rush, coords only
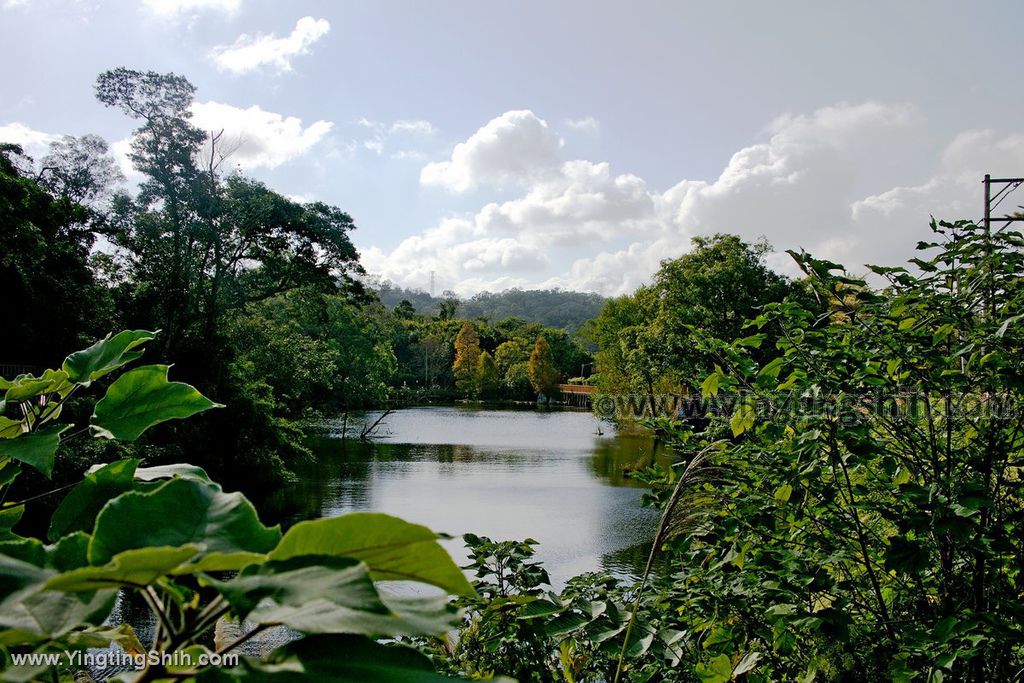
(198, 244)
(80, 169)
(467, 356)
(714, 289)
(543, 373)
(52, 300)
(487, 379)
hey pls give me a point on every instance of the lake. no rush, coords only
(555, 476)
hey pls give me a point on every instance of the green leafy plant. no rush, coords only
(195, 554)
(868, 525)
(518, 624)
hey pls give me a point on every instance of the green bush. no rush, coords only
(193, 553)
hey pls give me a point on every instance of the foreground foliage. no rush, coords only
(848, 506)
(194, 554)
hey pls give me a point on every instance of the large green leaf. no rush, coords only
(139, 567)
(78, 510)
(25, 387)
(8, 518)
(181, 512)
(393, 548)
(332, 659)
(70, 552)
(36, 449)
(141, 398)
(106, 355)
(316, 594)
(44, 614)
(29, 613)
(25, 549)
(181, 470)
(17, 577)
(717, 670)
(9, 428)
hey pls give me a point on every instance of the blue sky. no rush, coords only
(569, 144)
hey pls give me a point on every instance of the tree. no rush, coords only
(648, 342)
(448, 307)
(467, 356)
(516, 380)
(52, 299)
(164, 150)
(198, 244)
(713, 289)
(198, 250)
(80, 169)
(510, 352)
(405, 309)
(487, 379)
(543, 373)
(861, 521)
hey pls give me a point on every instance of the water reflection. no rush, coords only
(552, 476)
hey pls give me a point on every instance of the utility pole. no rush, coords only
(1005, 187)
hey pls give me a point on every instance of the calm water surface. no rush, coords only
(503, 473)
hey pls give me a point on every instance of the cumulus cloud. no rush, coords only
(171, 9)
(833, 181)
(34, 143)
(249, 53)
(258, 138)
(514, 148)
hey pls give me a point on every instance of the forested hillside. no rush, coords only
(550, 307)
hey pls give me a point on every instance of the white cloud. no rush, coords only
(513, 148)
(832, 181)
(171, 9)
(419, 127)
(402, 132)
(34, 143)
(121, 149)
(585, 125)
(409, 154)
(251, 52)
(258, 138)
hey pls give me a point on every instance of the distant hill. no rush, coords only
(553, 307)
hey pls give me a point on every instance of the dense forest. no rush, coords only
(844, 502)
(549, 307)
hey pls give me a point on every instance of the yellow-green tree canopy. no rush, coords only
(543, 373)
(467, 355)
(487, 379)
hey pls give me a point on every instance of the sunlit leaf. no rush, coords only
(139, 567)
(718, 670)
(105, 356)
(36, 449)
(393, 548)
(317, 594)
(182, 512)
(144, 397)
